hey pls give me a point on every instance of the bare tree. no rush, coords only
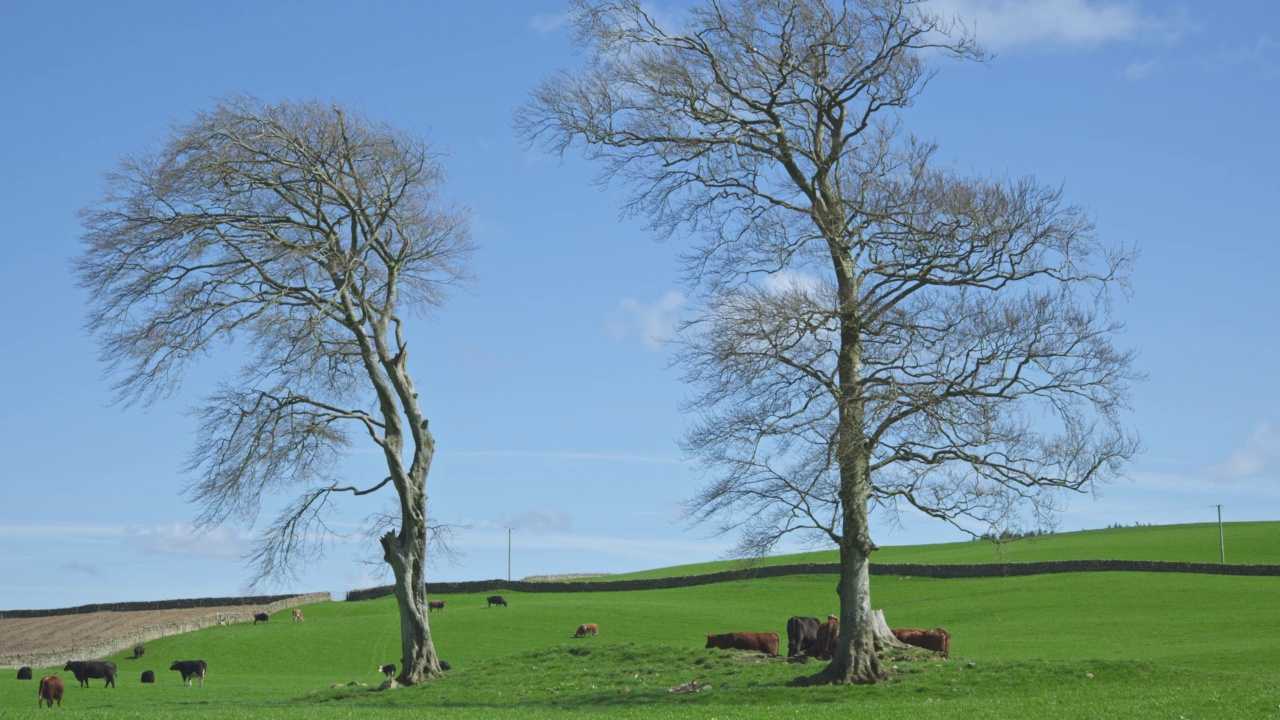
(302, 233)
(875, 329)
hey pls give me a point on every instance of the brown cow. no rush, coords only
(824, 647)
(50, 691)
(297, 615)
(937, 640)
(586, 629)
(765, 642)
(435, 605)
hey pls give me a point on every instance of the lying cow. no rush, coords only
(24, 673)
(148, 676)
(802, 635)
(190, 669)
(50, 691)
(435, 605)
(138, 650)
(260, 617)
(297, 615)
(84, 670)
(496, 600)
(765, 642)
(586, 629)
(824, 646)
(937, 640)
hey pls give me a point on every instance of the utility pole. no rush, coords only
(1222, 547)
(509, 551)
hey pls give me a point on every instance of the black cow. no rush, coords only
(260, 617)
(84, 670)
(802, 635)
(138, 650)
(388, 670)
(496, 600)
(148, 676)
(24, 673)
(444, 665)
(190, 669)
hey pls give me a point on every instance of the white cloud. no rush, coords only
(1259, 453)
(1260, 57)
(181, 539)
(1138, 71)
(1002, 24)
(654, 322)
(790, 280)
(540, 521)
(77, 567)
(547, 23)
(602, 457)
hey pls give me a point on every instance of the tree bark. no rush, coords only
(405, 552)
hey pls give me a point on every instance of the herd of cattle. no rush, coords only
(51, 687)
(806, 637)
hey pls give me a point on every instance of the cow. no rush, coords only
(297, 615)
(444, 665)
(496, 600)
(586, 629)
(824, 644)
(86, 669)
(937, 639)
(388, 670)
(24, 673)
(50, 691)
(260, 617)
(765, 642)
(802, 635)
(190, 669)
(138, 650)
(435, 605)
(148, 676)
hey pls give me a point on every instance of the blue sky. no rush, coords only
(554, 407)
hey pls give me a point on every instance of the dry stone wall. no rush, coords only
(935, 571)
(108, 647)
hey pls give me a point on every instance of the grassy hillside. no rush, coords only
(1251, 543)
(1156, 645)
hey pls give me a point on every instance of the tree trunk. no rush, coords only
(881, 632)
(406, 553)
(855, 659)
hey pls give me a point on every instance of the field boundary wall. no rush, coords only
(768, 571)
(95, 651)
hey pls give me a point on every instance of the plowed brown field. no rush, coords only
(61, 633)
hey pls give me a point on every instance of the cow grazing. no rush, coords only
(824, 644)
(297, 615)
(190, 669)
(24, 673)
(260, 617)
(496, 600)
(802, 635)
(937, 639)
(444, 665)
(586, 629)
(138, 651)
(50, 691)
(388, 670)
(765, 642)
(435, 605)
(148, 676)
(84, 670)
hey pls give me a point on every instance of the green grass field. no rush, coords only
(1251, 543)
(1124, 645)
